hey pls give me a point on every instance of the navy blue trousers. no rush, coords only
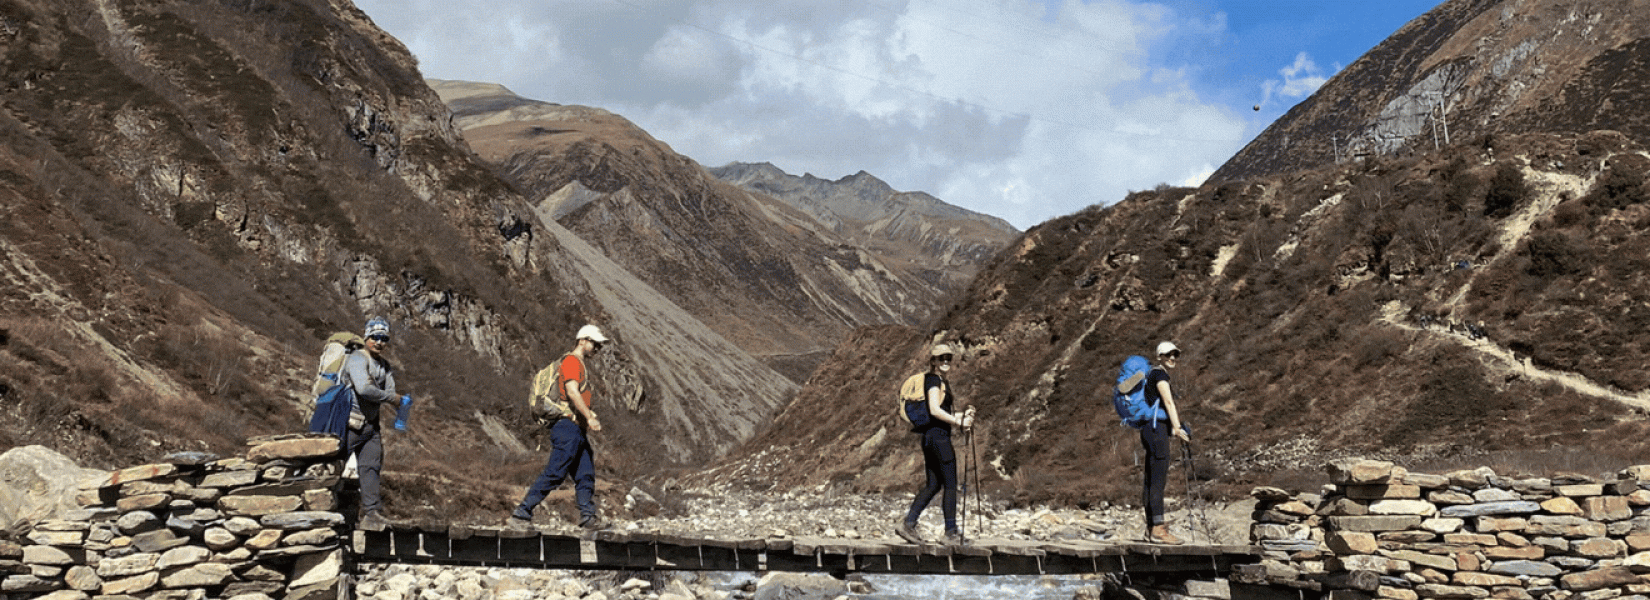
(569, 454)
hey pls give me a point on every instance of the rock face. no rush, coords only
(1464, 70)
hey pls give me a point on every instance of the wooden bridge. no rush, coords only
(608, 550)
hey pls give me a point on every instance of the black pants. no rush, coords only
(1155, 439)
(939, 460)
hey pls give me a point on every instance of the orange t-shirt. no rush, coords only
(572, 369)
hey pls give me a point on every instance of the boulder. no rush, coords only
(40, 484)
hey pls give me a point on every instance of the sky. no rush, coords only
(1021, 109)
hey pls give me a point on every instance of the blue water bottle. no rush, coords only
(403, 412)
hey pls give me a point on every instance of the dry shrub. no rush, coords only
(1378, 345)
(1556, 254)
(1506, 191)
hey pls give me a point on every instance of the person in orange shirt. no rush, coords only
(570, 451)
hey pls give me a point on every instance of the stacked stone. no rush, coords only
(1467, 535)
(194, 527)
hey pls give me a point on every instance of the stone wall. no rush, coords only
(194, 527)
(1381, 531)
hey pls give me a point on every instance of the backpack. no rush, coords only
(1129, 397)
(333, 399)
(547, 396)
(334, 351)
(913, 401)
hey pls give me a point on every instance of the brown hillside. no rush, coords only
(1323, 314)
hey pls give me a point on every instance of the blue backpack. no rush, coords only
(1129, 397)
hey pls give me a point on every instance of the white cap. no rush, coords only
(590, 332)
(1165, 348)
(940, 350)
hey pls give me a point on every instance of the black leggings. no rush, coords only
(1155, 439)
(939, 460)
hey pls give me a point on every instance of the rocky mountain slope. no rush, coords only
(944, 243)
(1470, 70)
(784, 278)
(194, 195)
(1487, 297)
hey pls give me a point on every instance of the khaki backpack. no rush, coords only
(913, 402)
(333, 354)
(548, 397)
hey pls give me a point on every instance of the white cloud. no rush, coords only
(1300, 79)
(1018, 108)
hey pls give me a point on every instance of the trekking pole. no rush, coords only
(962, 521)
(974, 468)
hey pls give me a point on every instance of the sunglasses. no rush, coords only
(382, 339)
(943, 358)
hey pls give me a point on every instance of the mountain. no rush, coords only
(945, 243)
(784, 278)
(1468, 71)
(1484, 302)
(195, 195)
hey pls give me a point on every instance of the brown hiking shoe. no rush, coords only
(908, 532)
(1159, 534)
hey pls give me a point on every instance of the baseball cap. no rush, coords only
(590, 332)
(940, 350)
(1167, 348)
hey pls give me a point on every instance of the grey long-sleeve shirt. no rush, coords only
(373, 381)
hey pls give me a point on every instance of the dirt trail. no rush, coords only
(1509, 363)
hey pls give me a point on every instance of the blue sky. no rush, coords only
(1021, 109)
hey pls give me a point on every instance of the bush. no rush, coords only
(1507, 190)
(1554, 254)
(1620, 186)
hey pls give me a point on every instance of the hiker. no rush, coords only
(1154, 436)
(570, 452)
(939, 461)
(373, 381)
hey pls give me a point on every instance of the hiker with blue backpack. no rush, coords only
(1144, 401)
(931, 414)
(372, 379)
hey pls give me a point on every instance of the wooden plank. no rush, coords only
(1012, 547)
(374, 544)
(435, 545)
(475, 548)
(520, 550)
(406, 544)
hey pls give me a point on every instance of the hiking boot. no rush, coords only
(516, 523)
(593, 523)
(1159, 534)
(954, 538)
(908, 532)
(374, 521)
